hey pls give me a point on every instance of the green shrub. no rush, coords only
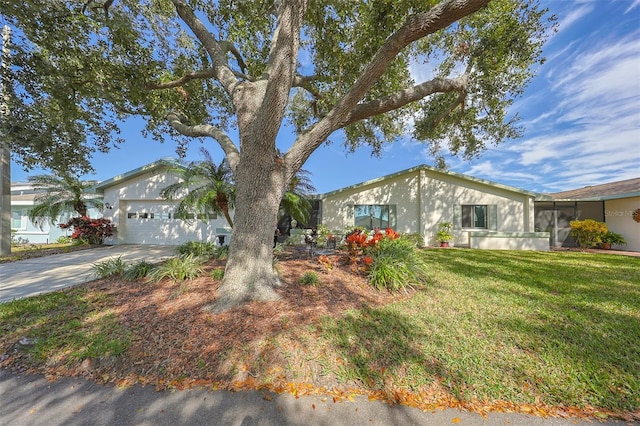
(396, 264)
(588, 233)
(108, 268)
(613, 238)
(79, 242)
(178, 269)
(416, 239)
(138, 271)
(197, 248)
(222, 253)
(63, 239)
(310, 278)
(217, 274)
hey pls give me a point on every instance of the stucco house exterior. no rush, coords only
(25, 231)
(613, 203)
(484, 214)
(141, 216)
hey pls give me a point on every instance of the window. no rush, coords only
(16, 219)
(375, 216)
(474, 217)
(207, 216)
(477, 216)
(132, 215)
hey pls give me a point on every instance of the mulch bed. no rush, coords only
(177, 343)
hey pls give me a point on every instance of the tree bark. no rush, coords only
(249, 274)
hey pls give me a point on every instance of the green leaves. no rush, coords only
(79, 68)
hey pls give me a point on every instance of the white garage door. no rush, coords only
(152, 222)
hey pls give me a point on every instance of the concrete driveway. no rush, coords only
(44, 274)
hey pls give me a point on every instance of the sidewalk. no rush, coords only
(28, 400)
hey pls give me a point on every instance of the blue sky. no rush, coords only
(581, 116)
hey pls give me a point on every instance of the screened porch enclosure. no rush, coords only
(554, 217)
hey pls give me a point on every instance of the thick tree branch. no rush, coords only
(304, 82)
(278, 75)
(217, 51)
(416, 27)
(204, 130)
(404, 97)
(201, 75)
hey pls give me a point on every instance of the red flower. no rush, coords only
(367, 260)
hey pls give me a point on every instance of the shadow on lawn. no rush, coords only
(578, 312)
(380, 350)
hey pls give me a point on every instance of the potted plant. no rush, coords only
(610, 238)
(444, 236)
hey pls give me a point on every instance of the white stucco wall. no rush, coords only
(141, 194)
(442, 192)
(424, 198)
(617, 216)
(337, 210)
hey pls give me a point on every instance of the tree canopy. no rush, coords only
(447, 69)
(80, 67)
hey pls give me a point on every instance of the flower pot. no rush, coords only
(444, 244)
(606, 246)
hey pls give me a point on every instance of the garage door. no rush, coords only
(153, 222)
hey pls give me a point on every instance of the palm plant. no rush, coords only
(295, 202)
(209, 188)
(63, 193)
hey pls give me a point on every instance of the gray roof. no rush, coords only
(607, 191)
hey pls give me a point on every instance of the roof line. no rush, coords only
(431, 169)
(163, 162)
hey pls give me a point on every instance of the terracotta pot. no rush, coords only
(444, 244)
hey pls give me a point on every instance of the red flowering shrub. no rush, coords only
(91, 230)
(361, 246)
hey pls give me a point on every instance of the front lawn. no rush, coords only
(544, 333)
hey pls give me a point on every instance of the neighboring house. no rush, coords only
(133, 203)
(612, 203)
(22, 200)
(484, 214)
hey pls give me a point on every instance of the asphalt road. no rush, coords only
(28, 400)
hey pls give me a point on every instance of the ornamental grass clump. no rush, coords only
(109, 267)
(396, 265)
(198, 248)
(390, 262)
(138, 270)
(178, 269)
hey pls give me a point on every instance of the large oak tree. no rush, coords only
(448, 70)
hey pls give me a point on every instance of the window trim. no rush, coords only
(391, 210)
(491, 217)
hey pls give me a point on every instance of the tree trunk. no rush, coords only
(223, 204)
(249, 274)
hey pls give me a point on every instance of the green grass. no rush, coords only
(24, 251)
(555, 328)
(561, 328)
(68, 326)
